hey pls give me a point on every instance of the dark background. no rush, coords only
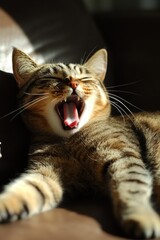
(131, 30)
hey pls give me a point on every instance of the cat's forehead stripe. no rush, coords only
(73, 70)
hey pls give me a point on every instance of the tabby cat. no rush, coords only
(77, 144)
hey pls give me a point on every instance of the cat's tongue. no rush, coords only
(71, 118)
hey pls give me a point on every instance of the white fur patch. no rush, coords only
(55, 123)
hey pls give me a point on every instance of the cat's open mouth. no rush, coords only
(70, 111)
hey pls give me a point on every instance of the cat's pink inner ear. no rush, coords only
(23, 66)
(97, 64)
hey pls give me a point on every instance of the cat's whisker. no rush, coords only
(22, 107)
(26, 106)
(123, 91)
(88, 79)
(18, 109)
(119, 101)
(114, 104)
(14, 111)
(131, 104)
(85, 58)
(35, 94)
(122, 85)
(121, 109)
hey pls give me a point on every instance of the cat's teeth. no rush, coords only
(78, 98)
(65, 99)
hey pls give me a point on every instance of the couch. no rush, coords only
(48, 30)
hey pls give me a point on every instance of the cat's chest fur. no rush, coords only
(100, 138)
(85, 156)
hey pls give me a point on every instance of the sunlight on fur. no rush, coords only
(77, 146)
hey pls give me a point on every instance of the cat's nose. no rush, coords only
(73, 84)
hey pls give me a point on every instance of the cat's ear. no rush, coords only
(97, 64)
(23, 66)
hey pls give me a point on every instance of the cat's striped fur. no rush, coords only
(114, 156)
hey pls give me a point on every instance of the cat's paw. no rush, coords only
(141, 224)
(12, 209)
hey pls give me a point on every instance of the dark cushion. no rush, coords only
(14, 137)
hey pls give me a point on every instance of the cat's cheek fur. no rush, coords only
(55, 123)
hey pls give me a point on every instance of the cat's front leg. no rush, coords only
(35, 191)
(131, 190)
